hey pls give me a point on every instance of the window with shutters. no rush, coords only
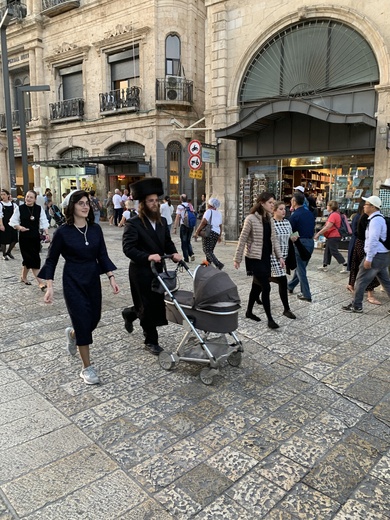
(124, 68)
(71, 82)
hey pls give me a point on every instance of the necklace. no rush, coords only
(31, 212)
(83, 232)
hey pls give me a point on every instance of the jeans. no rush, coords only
(185, 237)
(96, 216)
(300, 275)
(380, 269)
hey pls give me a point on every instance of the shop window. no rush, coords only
(124, 67)
(172, 56)
(174, 159)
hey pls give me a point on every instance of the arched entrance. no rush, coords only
(125, 164)
(307, 114)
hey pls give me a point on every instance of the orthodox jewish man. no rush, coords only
(146, 238)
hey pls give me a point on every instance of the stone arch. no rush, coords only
(336, 13)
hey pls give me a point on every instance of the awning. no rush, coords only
(262, 116)
(120, 158)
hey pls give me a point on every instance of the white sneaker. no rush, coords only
(344, 270)
(90, 376)
(322, 268)
(70, 341)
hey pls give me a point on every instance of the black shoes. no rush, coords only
(351, 308)
(303, 298)
(252, 316)
(154, 349)
(272, 325)
(129, 316)
(10, 256)
(289, 314)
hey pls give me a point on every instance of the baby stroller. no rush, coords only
(56, 215)
(209, 316)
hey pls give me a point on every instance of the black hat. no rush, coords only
(141, 189)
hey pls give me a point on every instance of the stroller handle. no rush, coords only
(163, 258)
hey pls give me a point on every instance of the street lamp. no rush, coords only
(22, 123)
(8, 15)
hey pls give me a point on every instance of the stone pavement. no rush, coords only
(300, 430)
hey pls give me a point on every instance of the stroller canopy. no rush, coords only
(214, 288)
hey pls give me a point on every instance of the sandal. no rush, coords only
(42, 287)
(350, 288)
(373, 300)
(25, 282)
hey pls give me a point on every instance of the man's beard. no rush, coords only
(153, 214)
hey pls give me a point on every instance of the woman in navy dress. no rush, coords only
(82, 245)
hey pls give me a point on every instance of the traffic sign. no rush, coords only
(196, 174)
(194, 147)
(194, 162)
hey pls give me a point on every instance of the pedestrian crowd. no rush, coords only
(270, 245)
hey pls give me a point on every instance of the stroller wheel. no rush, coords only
(166, 360)
(234, 359)
(206, 375)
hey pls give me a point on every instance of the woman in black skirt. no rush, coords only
(80, 241)
(8, 235)
(29, 219)
(259, 240)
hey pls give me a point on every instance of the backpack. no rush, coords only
(345, 229)
(385, 242)
(189, 219)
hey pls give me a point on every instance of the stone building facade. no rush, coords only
(125, 78)
(297, 93)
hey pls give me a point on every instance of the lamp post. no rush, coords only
(22, 123)
(8, 15)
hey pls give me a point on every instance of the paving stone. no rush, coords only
(256, 494)
(382, 410)
(51, 483)
(116, 492)
(381, 470)
(306, 503)
(331, 481)
(148, 510)
(232, 463)
(354, 510)
(376, 493)
(303, 451)
(224, 508)
(202, 485)
(281, 471)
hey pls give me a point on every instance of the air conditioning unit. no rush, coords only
(174, 88)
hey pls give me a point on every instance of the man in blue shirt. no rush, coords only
(377, 258)
(303, 222)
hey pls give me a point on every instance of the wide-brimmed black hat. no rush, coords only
(141, 189)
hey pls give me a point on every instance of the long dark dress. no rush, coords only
(9, 235)
(81, 276)
(30, 241)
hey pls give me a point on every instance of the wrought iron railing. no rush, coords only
(121, 98)
(16, 8)
(15, 118)
(49, 4)
(67, 108)
(174, 89)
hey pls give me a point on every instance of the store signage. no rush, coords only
(90, 170)
(209, 153)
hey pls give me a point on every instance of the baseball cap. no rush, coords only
(299, 188)
(374, 200)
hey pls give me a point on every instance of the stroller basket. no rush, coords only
(214, 319)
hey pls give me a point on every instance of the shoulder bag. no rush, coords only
(206, 231)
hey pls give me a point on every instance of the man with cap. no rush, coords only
(377, 258)
(146, 238)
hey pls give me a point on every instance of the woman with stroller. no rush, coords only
(29, 219)
(258, 242)
(80, 241)
(8, 235)
(213, 217)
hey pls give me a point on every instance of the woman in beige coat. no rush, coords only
(258, 242)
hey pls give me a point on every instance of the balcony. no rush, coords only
(174, 91)
(121, 100)
(52, 8)
(16, 8)
(67, 110)
(15, 119)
